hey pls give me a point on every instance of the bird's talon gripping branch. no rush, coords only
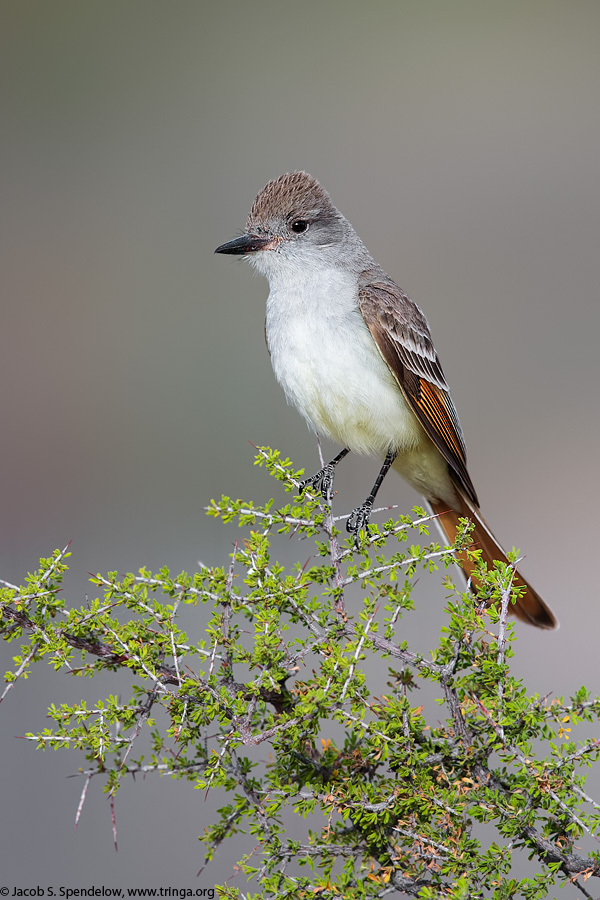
(322, 481)
(359, 520)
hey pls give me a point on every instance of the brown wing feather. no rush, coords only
(437, 409)
(402, 335)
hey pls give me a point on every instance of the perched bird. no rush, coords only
(354, 355)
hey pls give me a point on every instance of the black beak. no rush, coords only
(247, 243)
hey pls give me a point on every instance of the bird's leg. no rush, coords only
(359, 517)
(323, 480)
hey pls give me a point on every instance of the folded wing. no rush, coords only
(402, 335)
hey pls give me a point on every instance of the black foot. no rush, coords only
(359, 520)
(322, 481)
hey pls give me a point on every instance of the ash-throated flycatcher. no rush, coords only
(354, 354)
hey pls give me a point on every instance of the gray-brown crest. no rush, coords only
(290, 196)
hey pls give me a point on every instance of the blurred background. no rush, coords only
(461, 140)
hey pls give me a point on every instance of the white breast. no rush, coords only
(328, 364)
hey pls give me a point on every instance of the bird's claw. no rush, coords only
(358, 520)
(321, 482)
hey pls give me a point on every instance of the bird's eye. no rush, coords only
(299, 226)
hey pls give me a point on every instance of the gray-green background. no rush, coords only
(461, 139)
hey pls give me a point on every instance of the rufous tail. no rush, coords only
(530, 607)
